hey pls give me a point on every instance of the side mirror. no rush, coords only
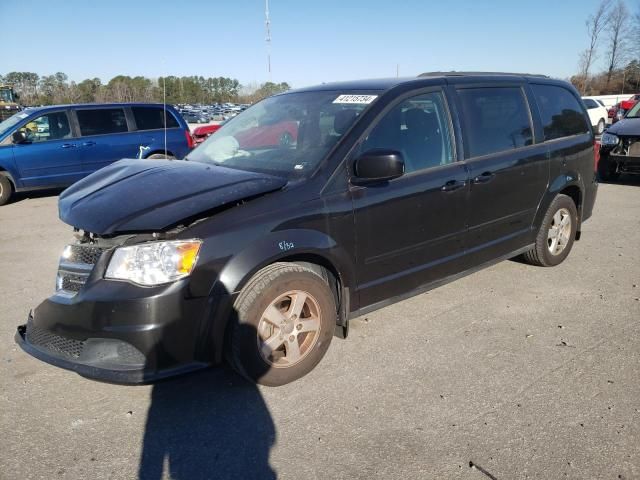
(379, 165)
(19, 136)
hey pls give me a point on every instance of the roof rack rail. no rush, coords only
(464, 74)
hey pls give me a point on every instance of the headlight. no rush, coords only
(609, 139)
(154, 263)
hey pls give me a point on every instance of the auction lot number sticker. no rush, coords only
(357, 99)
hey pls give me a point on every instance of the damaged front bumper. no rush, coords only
(625, 157)
(145, 335)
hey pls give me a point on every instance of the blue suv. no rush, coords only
(54, 146)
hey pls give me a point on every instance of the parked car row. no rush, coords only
(208, 113)
(618, 111)
(54, 146)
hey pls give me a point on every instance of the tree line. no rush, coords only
(34, 89)
(613, 48)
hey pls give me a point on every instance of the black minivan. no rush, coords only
(308, 209)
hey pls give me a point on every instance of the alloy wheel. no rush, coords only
(289, 328)
(559, 233)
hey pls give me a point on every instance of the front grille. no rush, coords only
(76, 264)
(87, 254)
(42, 338)
(71, 282)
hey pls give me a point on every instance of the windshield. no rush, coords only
(10, 122)
(5, 95)
(634, 112)
(286, 135)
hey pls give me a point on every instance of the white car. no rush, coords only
(597, 114)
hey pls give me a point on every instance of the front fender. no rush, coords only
(8, 168)
(281, 245)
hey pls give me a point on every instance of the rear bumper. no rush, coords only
(121, 333)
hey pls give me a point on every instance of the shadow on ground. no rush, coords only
(211, 424)
(630, 180)
(21, 196)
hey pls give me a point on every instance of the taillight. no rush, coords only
(187, 134)
(596, 154)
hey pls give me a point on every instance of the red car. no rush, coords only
(618, 111)
(628, 104)
(200, 134)
(281, 133)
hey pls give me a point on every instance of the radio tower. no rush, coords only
(267, 23)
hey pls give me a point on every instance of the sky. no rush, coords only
(313, 41)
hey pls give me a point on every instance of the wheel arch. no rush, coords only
(160, 152)
(6, 173)
(568, 183)
(314, 248)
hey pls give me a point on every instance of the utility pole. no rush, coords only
(267, 23)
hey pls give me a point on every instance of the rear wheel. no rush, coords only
(284, 322)
(556, 235)
(600, 127)
(6, 190)
(161, 156)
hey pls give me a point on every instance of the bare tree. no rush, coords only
(619, 29)
(596, 24)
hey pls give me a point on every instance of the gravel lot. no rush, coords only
(513, 372)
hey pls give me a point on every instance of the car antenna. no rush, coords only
(164, 105)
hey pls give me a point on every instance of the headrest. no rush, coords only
(416, 118)
(343, 120)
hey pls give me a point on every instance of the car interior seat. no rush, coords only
(422, 139)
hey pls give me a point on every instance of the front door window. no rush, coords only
(52, 126)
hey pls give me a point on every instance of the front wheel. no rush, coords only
(6, 190)
(556, 235)
(600, 127)
(282, 325)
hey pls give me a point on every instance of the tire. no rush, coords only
(6, 190)
(600, 127)
(607, 170)
(161, 156)
(291, 352)
(541, 254)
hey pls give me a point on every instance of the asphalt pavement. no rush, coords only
(513, 372)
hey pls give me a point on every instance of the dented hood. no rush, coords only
(151, 195)
(626, 127)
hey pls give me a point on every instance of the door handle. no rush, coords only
(484, 178)
(88, 144)
(68, 145)
(452, 185)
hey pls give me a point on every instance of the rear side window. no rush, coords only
(102, 121)
(561, 113)
(496, 119)
(152, 118)
(589, 103)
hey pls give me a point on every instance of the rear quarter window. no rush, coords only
(101, 121)
(496, 119)
(562, 115)
(152, 118)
